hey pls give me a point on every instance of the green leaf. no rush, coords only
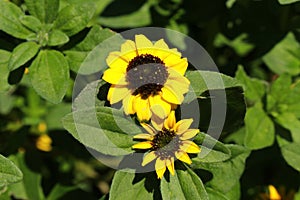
(291, 153)
(284, 2)
(260, 132)
(96, 59)
(57, 37)
(31, 22)
(211, 150)
(283, 58)
(49, 74)
(30, 187)
(9, 172)
(105, 130)
(202, 81)
(228, 172)
(4, 59)
(214, 194)
(10, 20)
(239, 44)
(22, 54)
(78, 54)
(44, 10)
(59, 191)
(7, 102)
(130, 186)
(139, 18)
(280, 86)
(290, 122)
(55, 114)
(74, 18)
(254, 88)
(185, 185)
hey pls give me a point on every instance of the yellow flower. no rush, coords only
(144, 74)
(166, 142)
(44, 142)
(274, 195)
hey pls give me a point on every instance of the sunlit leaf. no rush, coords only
(49, 74)
(44, 10)
(9, 172)
(10, 20)
(22, 54)
(260, 130)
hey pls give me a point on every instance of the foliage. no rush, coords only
(45, 45)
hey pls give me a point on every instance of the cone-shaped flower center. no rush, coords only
(146, 75)
(165, 143)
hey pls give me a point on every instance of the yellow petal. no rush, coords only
(149, 157)
(170, 165)
(190, 133)
(160, 167)
(182, 126)
(156, 118)
(145, 136)
(142, 108)
(128, 104)
(171, 96)
(117, 93)
(158, 105)
(142, 145)
(114, 76)
(149, 128)
(160, 44)
(181, 87)
(170, 121)
(143, 44)
(180, 66)
(115, 60)
(184, 157)
(274, 195)
(189, 147)
(129, 50)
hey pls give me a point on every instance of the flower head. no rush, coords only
(166, 142)
(144, 74)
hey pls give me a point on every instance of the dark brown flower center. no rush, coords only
(146, 75)
(165, 143)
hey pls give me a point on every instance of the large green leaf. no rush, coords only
(260, 131)
(74, 18)
(214, 194)
(290, 122)
(211, 150)
(185, 184)
(22, 54)
(58, 191)
(130, 186)
(4, 59)
(9, 172)
(139, 18)
(228, 172)
(49, 74)
(77, 55)
(10, 20)
(284, 2)
(30, 187)
(44, 10)
(254, 88)
(283, 58)
(105, 130)
(291, 153)
(202, 81)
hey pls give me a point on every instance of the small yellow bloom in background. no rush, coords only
(42, 127)
(274, 195)
(44, 142)
(166, 142)
(144, 74)
(26, 71)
